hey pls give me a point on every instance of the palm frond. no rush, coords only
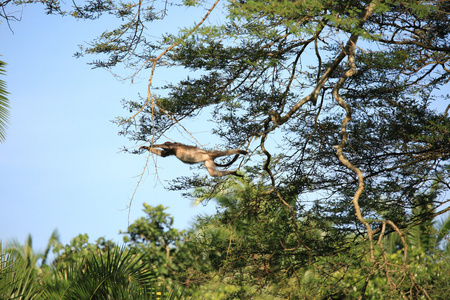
(119, 273)
(52, 242)
(17, 277)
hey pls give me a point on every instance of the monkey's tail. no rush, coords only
(228, 163)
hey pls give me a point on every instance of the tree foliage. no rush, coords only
(351, 95)
(239, 252)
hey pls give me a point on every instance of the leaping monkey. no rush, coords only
(193, 155)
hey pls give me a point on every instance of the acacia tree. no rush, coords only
(354, 89)
(352, 94)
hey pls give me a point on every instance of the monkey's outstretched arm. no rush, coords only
(154, 150)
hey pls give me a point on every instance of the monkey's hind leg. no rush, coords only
(211, 167)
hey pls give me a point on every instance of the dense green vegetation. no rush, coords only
(343, 108)
(231, 255)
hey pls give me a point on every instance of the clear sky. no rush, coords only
(61, 166)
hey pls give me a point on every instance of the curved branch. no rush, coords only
(350, 51)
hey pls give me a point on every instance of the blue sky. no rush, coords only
(61, 166)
